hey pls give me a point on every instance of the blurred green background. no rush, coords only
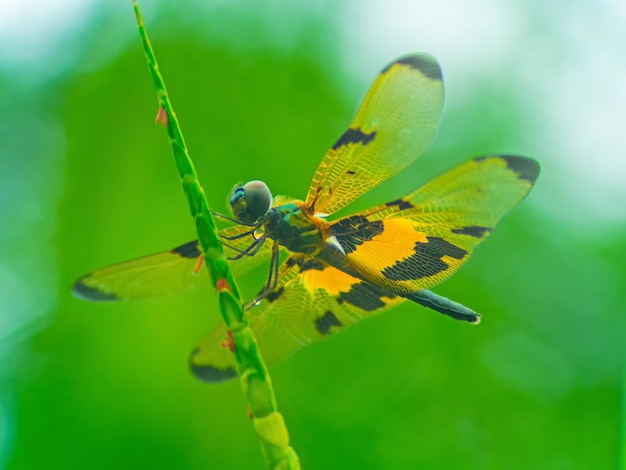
(262, 89)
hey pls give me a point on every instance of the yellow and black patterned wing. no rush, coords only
(418, 241)
(313, 301)
(391, 129)
(164, 273)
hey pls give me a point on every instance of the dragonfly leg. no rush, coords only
(229, 219)
(241, 235)
(272, 278)
(230, 247)
(273, 274)
(250, 251)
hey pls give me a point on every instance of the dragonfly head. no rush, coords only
(250, 202)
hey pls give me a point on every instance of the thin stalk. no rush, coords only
(622, 433)
(255, 380)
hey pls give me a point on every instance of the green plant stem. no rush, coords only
(268, 422)
(622, 432)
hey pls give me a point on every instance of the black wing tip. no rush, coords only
(188, 250)
(210, 374)
(527, 168)
(92, 294)
(423, 62)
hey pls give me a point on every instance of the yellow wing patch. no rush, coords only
(313, 301)
(416, 242)
(392, 127)
(395, 254)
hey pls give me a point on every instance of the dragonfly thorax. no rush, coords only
(293, 227)
(250, 202)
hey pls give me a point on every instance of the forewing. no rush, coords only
(164, 273)
(416, 242)
(390, 130)
(313, 301)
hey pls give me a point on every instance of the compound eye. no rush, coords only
(250, 202)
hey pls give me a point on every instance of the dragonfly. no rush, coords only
(336, 273)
